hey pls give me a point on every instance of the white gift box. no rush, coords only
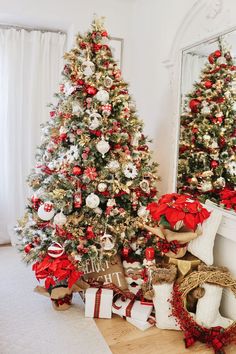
(101, 299)
(138, 311)
(143, 326)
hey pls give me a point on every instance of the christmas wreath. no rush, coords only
(215, 337)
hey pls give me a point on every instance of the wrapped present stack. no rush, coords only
(173, 286)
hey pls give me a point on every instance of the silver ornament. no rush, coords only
(102, 96)
(92, 201)
(113, 166)
(59, 219)
(103, 147)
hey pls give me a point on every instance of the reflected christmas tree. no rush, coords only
(207, 162)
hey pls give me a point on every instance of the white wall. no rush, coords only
(69, 15)
(154, 26)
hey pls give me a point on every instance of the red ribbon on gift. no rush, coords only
(111, 286)
(97, 303)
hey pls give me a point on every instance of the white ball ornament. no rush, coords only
(221, 61)
(56, 250)
(113, 166)
(46, 211)
(102, 187)
(103, 147)
(102, 96)
(205, 110)
(206, 186)
(92, 201)
(142, 212)
(59, 219)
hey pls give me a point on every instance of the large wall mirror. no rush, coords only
(207, 135)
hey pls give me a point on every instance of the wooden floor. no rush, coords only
(124, 338)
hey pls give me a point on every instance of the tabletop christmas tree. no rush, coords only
(93, 178)
(207, 163)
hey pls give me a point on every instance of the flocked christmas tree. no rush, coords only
(207, 163)
(93, 177)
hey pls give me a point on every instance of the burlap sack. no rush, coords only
(106, 271)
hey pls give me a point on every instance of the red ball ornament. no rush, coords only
(125, 252)
(28, 248)
(150, 253)
(91, 90)
(217, 54)
(104, 34)
(195, 130)
(193, 105)
(211, 59)
(76, 170)
(80, 82)
(208, 84)
(214, 164)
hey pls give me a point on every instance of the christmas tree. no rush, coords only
(93, 178)
(207, 163)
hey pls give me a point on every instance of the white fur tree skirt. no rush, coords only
(29, 324)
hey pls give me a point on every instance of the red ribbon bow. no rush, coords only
(214, 338)
(173, 246)
(64, 300)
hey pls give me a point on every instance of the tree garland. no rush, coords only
(215, 337)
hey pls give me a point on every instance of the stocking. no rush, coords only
(162, 295)
(207, 312)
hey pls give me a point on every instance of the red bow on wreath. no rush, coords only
(214, 338)
(173, 246)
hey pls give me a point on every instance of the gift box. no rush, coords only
(132, 308)
(98, 302)
(143, 326)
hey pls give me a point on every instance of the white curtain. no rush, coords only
(192, 66)
(30, 66)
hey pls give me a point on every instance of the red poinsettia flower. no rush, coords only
(55, 270)
(228, 198)
(176, 207)
(91, 173)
